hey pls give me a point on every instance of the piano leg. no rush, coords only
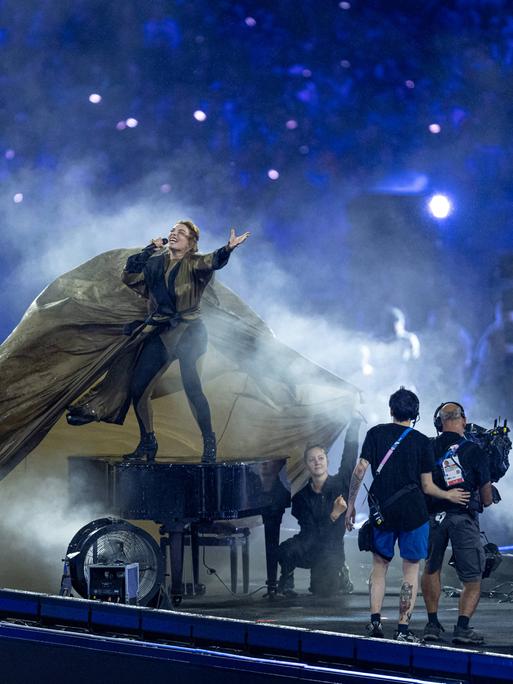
(233, 566)
(195, 557)
(174, 532)
(272, 524)
(245, 563)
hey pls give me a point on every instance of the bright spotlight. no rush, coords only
(440, 206)
(200, 115)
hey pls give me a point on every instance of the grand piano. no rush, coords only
(183, 497)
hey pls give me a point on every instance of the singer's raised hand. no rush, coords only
(235, 240)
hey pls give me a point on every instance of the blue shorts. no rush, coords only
(413, 545)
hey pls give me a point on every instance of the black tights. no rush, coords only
(153, 361)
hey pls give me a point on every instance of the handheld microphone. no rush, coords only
(164, 242)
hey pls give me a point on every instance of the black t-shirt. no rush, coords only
(413, 456)
(312, 510)
(467, 469)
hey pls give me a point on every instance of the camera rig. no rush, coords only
(495, 443)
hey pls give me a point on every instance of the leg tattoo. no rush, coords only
(405, 597)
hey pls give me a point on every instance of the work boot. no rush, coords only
(433, 632)
(467, 636)
(209, 448)
(146, 449)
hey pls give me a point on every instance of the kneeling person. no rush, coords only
(319, 508)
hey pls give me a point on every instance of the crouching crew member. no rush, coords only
(320, 511)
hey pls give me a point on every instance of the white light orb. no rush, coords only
(440, 206)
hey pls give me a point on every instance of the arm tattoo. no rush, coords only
(356, 481)
(405, 597)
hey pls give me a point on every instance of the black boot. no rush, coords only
(286, 584)
(345, 584)
(209, 448)
(81, 415)
(146, 449)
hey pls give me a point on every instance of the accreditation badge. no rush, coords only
(452, 471)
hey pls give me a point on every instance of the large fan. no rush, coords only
(110, 541)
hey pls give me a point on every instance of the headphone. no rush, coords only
(417, 413)
(437, 421)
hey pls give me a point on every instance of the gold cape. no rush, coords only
(266, 399)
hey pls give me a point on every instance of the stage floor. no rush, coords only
(349, 615)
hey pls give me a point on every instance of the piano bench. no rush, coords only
(221, 533)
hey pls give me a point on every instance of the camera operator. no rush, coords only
(458, 463)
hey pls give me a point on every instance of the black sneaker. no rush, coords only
(286, 585)
(433, 632)
(345, 585)
(467, 636)
(407, 636)
(289, 593)
(375, 629)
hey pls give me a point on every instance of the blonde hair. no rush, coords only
(194, 233)
(313, 446)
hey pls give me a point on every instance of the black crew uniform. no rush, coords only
(401, 475)
(320, 542)
(467, 468)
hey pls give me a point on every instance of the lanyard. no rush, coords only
(451, 452)
(392, 449)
